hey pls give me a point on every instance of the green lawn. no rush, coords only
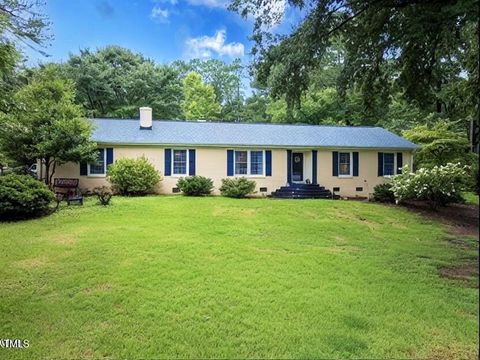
(224, 278)
(471, 198)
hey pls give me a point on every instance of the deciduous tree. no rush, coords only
(115, 82)
(48, 125)
(199, 102)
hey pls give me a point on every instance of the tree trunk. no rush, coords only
(53, 173)
(47, 170)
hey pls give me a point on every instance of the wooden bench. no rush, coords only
(67, 189)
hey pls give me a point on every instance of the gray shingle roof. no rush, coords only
(116, 131)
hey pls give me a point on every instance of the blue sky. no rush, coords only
(163, 30)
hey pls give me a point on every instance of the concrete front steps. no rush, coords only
(303, 191)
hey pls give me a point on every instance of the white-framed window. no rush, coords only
(345, 164)
(241, 162)
(249, 162)
(179, 162)
(388, 164)
(256, 162)
(100, 167)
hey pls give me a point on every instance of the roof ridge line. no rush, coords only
(246, 123)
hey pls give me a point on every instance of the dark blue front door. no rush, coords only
(297, 166)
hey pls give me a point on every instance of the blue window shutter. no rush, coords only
(314, 166)
(168, 162)
(191, 162)
(109, 156)
(335, 163)
(268, 162)
(399, 162)
(229, 162)
(83, 169)
(289, 166)
(380, 164)
(355, 163)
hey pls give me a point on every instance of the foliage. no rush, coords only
(402, 115)
(224, 77)
(195, 185)
(415, 45)
(322, 106)
(104, 194)
(3, 162)
(383, 193)
(9, 78)
(199, 102)
(255, 108)
(439, 185)
(48, 125)
(237, 188)
(115, 82)
(21, 196)
(133, 176)
(439, 145)
(21, 21)
(277, 111)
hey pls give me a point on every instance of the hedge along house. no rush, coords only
(349, 161)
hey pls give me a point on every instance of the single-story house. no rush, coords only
(346, 160)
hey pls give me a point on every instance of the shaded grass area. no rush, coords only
(224, 278)
(471, 198)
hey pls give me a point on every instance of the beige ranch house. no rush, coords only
(285, 160)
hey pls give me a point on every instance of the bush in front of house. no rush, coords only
(237, 188)
(195, 185)
(439, 185)
(383, 193)
(133, 176)
(22, 196)
(104, 195)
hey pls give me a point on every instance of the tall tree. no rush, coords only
(419, 46)
(114, 82)
(255, 108)
(200, 101)
(226, 79)
(9, 57)
(21, 21)
(439, 145)
(48, 125)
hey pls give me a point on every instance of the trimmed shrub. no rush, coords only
(104, 195)
(195, 185)
(237, 188)
(133, 176)
(439, 185)
(383, 193)
(22, 196)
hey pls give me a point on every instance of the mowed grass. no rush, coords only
(177, 277)
(471, 198)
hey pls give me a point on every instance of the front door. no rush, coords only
(297, 166)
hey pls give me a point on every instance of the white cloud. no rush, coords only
(206, 46)
(209, 3)
(159, 14)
